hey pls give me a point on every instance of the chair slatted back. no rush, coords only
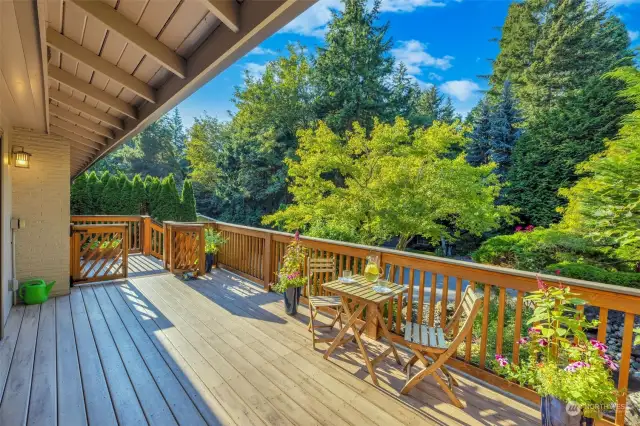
(319, 265)
(470, 305)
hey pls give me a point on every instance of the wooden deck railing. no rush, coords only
(135, 223)
(435, 285)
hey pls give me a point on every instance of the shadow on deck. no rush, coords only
(217, 350)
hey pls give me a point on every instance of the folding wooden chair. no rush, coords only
(422, 339)
(321, 265)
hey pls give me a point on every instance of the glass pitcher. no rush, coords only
(372, 270)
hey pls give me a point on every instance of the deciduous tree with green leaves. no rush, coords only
(395, 183)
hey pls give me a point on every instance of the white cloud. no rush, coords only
(262, 51)
(414, 56)
(633, 35)
(255, 70)
(434, 76)
(313, 22)
(399, 6)
(461, 90)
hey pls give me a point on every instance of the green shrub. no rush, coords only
(533, 251)
(582, 271)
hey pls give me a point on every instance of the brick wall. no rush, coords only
(41, 198)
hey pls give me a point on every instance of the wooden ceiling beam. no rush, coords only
(117, 22)
(88, 89)
(80, 121)
(75, 146)
(75, 138)
(227, 11)
(77, 130)
(95, 62)
(69, 100)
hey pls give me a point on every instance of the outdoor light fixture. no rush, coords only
(21, 158)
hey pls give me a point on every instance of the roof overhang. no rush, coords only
(115, 66)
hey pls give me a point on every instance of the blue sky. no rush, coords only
(442, 42)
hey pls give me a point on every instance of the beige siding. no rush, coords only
(6, 298)
(41, 198)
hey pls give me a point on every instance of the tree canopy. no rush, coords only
(392, 183)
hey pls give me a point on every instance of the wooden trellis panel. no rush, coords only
(99, 252)
(184, 247)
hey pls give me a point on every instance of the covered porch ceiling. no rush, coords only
(115, 66)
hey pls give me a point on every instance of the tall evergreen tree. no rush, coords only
(188, 203)
(404, 93)
(152, 188)
(504, 130)
(111, 196)
(569, 110)
(478, 148)
(352, 68)
(447, 113)
(95, 188)
(138, 196)
(80, 197)
(168, 203)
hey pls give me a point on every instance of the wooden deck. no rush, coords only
(155, 350)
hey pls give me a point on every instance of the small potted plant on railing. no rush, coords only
(290, 278)
(213, 241)
(571, 373)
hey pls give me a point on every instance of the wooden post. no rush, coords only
(266, 262)
(145, 234)
(166, 229)
(201, 259)
(125, 252)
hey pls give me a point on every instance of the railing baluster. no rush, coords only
(502, 302)
(400, 301)
(518, 327)
(485, 325)
(458, 286)
(444, 301)
(432, 299)
(420, 297)
(625, 361)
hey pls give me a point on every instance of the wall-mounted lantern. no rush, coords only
(21, 159)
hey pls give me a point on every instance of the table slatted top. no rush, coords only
(363, 289)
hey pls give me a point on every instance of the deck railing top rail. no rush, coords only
(471, 266)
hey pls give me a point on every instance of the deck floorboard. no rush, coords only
(153, 349)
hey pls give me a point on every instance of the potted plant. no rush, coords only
(290, 277)
(213, 241)
(571, 373)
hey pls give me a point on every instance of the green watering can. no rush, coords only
(35, 291)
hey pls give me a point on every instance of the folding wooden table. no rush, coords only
(361, 293)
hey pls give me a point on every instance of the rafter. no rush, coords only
(90, 59)
(75, 146)
(75, 83)
(73, 137)
(227, 11)
(86, 108)
(80, 121)
(136, 35)
(77, 130)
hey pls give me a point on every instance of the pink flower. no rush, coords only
(297, 235)
(529, 228)
(518, 228)
(541, 285)
(612, 365)
(523, 341)
(534, 330)
(571, 368)
(598, 345)
(502, 361)
(543, 342)
(558, 271)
